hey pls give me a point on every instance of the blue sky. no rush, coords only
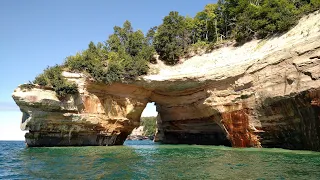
(35, 34)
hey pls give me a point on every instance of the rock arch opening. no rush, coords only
(184, 114)
(170, 130)
(173, 125)
(148, 125)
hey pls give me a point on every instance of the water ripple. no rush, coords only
(146, 160)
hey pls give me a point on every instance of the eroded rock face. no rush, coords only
(92, 117)
(272, 100)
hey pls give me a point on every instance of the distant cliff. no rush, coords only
(262, 94)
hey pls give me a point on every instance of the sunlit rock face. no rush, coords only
(98, 115)
(269, 98)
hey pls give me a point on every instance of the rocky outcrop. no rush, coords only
(262, 94)
(98, 115)
(137, 134)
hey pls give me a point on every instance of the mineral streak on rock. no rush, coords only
(236, 96)
(237, 126)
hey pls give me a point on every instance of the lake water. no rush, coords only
(146, 160)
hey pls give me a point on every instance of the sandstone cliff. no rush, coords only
(262, 94)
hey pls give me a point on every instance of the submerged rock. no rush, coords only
(266, 96)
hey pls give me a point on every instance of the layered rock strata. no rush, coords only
(268, 97)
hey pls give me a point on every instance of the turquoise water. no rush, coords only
(146, 160)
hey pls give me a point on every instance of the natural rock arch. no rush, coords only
(105, 114)
(268, 97)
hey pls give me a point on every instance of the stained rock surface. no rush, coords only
(262, 94)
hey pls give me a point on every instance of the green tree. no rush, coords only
(150, 125)
(126, 53)
(261, 18)
(225, 21)
(150, 35)
(172, 38)
(123, 57)
(191, 28)
(205, 24)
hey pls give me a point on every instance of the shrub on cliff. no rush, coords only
(52, 77)
(27, 86)
(124, 56)
(307, 6)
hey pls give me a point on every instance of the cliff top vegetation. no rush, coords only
(125, 55)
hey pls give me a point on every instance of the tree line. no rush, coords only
(241, 20)
(126, 53)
